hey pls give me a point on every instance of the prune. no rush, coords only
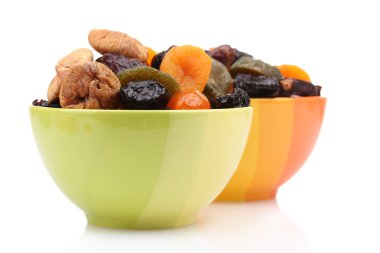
(219, 81)
(45, 103)
(147, 73)
(248, 65)
(257, 86)
(157, 59)
(118, 63)
(224, 54)
(237, 98)
(144, 95)
(295, 87)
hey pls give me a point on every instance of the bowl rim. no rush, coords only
(115, 111)
(288, 99)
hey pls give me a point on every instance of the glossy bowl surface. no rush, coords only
(282, 136)
(140, 169)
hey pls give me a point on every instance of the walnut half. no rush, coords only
(89, 85)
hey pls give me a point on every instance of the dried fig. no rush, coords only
(54, 88)
(90, 85)
(106, 41)
(76, 56)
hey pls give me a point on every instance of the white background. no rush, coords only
(331, 205)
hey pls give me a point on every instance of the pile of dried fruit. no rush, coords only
(129, 75)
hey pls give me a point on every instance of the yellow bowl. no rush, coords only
(140, 169)
(282, 135)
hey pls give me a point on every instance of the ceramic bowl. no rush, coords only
(282, 135)
(140, 169)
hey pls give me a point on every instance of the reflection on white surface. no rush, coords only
(223, 227)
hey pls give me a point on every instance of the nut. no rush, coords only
(89, 85)
(106, 41)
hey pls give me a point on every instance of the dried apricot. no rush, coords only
(188, 100)
(293, 71)
(151, 54)
(189, 65)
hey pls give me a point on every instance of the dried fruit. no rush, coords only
(237, 98)
(293, 71)
(248, 65)
(151, 54)
(142, 95)
(76, 56)
(106, 41)
(258, 86)
(224, 54)
(147, 73)
(219, 81)
(44, 103)
(189, 100)
(189, 65)
(157, 59)
(295, 87)
(90, 85)
(118, 63)
(239, 54)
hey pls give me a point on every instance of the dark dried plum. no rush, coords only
(237, 98)
(224, 54)
(118, 63)
(258, 86)
(143, 95)
(295, 87)
(45, 103)
(157, 59)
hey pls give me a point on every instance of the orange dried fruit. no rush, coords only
(189, 65)
(188, 100)
(151, 54)
(293, 71)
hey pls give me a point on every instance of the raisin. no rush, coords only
(258, 86)
(295, 87)
(142, 95)
(118, 63)
(157, 59)
(237, 98)
(45, 103)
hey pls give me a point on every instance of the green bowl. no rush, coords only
(140, 169)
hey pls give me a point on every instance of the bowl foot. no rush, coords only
(251, 196)
(148, 224)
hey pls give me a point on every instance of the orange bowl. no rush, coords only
(282, 136)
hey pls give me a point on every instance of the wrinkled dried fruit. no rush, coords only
(224, 54)
(189, 100)
(106, 41)
(157, 59)
(295, 87)
(248, 65)
(90, 85)
(189, 65)
(293, 71)
(44, 103)
(258, 86)
(147, 73)
(76, 56)
(144, 95)
(219, 81)
(54, 88)
(237, 98)
(118, 63)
